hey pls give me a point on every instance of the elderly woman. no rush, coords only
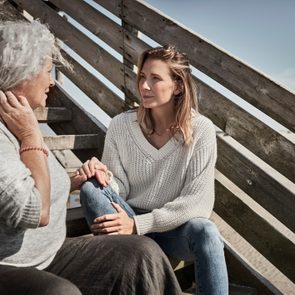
(35, 256)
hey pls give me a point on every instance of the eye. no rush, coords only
(156, 78)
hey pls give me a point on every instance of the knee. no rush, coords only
(61, 287)
(89, 186)
(204, 231)
(143, 248)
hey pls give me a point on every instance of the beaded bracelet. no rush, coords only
(33, 148)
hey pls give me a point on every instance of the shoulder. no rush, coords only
(120, 121)
(204, 132)
(7, 138)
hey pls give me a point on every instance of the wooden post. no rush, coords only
(127, 63)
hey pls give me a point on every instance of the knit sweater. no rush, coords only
(170, 185)
(22, 242)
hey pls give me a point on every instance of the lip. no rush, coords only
(147, 96)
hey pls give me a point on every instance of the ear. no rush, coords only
(178, 88)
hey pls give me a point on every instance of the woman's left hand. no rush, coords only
(114, 224)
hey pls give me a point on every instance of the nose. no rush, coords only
(145, 85)
(51, 81)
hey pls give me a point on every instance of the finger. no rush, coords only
(92, 164)
(86, 169)
(106, 217)
(99, 231)
(12, 100)
(101, 177)
(82, 173)
(100, 166)
(108, 230)
(5, 106)
(23, 100)
(117, 207)
(3, 98)
(106, 224)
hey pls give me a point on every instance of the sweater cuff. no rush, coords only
(144, 223)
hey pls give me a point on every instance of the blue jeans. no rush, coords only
(197, 240)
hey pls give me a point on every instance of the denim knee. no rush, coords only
(204, 232)
(90, 185)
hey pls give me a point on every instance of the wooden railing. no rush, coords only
(255, 189)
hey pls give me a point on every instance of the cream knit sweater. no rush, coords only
(171, 185)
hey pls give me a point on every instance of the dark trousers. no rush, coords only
(97, 265)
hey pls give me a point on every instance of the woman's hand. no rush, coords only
(19, 116)
(114, 224)
(94, 167)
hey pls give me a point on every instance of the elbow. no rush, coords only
(45, 218)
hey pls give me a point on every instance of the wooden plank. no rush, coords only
(235, 75)
(72, 142)
(242, 273)
(95, 55)
(95, 22)
(98, 92)
(9, 13)
(271, 243)
(114, 6)
(48, 115)
(76, 223)
(82, 123)
(264, 188)
(266, 143)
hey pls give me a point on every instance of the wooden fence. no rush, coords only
(255, 173)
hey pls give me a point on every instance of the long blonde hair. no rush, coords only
(185, 102)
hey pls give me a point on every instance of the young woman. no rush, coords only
(162, 158)
(35, 256)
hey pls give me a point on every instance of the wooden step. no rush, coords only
(72, 142)
(53, 114)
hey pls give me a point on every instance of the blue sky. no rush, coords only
(259, 32)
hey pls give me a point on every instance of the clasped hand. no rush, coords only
(114, 224)
(91, 168)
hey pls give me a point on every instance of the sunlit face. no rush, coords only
(36, 89)
(156, 86)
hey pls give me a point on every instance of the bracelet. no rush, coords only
(34, 148)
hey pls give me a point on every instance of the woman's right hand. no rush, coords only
(18, 116)
(94, 167)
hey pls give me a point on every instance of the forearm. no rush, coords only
(36, 161)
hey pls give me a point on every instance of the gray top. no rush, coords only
(22, 242)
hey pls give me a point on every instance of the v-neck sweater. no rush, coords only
(170, 185)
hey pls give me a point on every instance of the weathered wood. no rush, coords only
(67, 159)
(114, 6)
(248, 83)
(264, 188)
(8, 12)
(266, 143)
(96, 22)
(241, 272)
(98, 92)
(76, 223)
(95, 55)
(81, 123)
(48, 115)
(72, 142)
(278, 249)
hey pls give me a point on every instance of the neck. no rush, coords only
(163, 116)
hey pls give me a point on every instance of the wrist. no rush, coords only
(34, 139)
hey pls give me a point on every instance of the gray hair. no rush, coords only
(24, 50)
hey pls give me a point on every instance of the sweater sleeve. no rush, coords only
(111, 158)
(20, 201)
(196, 198)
